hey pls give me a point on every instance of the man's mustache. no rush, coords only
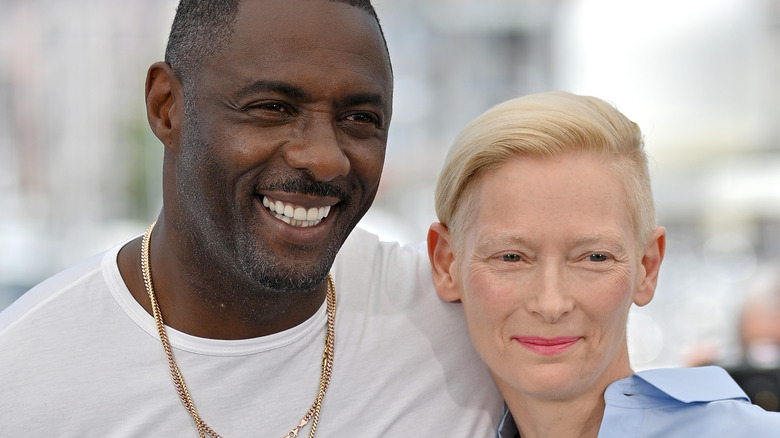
(308, 187)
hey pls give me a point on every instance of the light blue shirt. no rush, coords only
(677, 403)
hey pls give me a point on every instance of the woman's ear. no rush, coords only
(164, 104)
(442, 257)
(651, 265)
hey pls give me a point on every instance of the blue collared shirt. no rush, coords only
(677, 403)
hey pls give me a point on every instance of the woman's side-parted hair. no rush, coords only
(545, 126)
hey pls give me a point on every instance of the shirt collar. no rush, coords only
(690, 385)
(668, 386)
(657, 387)
(507, 427)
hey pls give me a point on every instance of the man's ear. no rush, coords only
(651, 265)
(442, 257)
(164, 104)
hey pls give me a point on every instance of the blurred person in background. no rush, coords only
(755, 362)
(547, 236)
(758, 370)
(230, 316)
(759, 321)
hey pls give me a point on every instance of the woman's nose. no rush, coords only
(550, 299)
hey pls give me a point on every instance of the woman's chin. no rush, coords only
(550, 382)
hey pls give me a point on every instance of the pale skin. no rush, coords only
(547, 271)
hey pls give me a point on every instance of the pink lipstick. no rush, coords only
(547, 346)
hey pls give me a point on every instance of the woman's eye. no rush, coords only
(598, 257)
(511, 257)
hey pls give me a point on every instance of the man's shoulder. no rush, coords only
(363, 247)
(377, 274)
(45, 295)
(362, 238)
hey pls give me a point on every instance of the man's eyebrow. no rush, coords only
(275, 86)
(293, 91)
(365, 98)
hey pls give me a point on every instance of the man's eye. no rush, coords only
(598, 257)
(364, 118)
(511, 257)
(272, 106)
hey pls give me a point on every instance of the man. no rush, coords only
(222, 320)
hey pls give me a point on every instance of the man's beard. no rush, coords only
(220, 242)
(265, 267)
(267, 271)
(225, 246)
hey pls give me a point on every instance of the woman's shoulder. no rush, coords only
(692, 385)
(686, 402)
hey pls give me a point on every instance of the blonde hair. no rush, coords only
(545, 125)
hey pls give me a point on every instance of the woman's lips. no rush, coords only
(547, 346)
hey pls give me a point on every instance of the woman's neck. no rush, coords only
(577, 414)
(558, 419)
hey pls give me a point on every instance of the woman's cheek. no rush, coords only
(489, 295)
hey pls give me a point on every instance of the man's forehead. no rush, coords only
(298, 24)
(297, 16)
(300, 41)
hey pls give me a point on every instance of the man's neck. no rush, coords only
(217, 309)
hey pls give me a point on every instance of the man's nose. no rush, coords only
(316, 149)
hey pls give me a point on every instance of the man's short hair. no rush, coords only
(545, 125)
(201, 28)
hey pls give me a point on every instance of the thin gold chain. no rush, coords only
(204, 430)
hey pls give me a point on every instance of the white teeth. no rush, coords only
(295, 215)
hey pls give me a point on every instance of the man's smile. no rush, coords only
(296, 215)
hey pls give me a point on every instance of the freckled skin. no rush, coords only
(297, 108)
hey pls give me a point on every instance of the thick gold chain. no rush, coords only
(204, 430)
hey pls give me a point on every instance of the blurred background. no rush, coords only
(80, 169)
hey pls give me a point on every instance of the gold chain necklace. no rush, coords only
(313, 414)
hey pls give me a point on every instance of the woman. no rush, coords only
(547, 236)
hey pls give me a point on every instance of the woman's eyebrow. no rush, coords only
(507, 238)
(606, 237)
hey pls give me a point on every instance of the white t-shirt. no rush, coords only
(79, 357)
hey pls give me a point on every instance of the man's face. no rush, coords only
(292, 115)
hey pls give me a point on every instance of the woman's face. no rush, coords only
(547, 271)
